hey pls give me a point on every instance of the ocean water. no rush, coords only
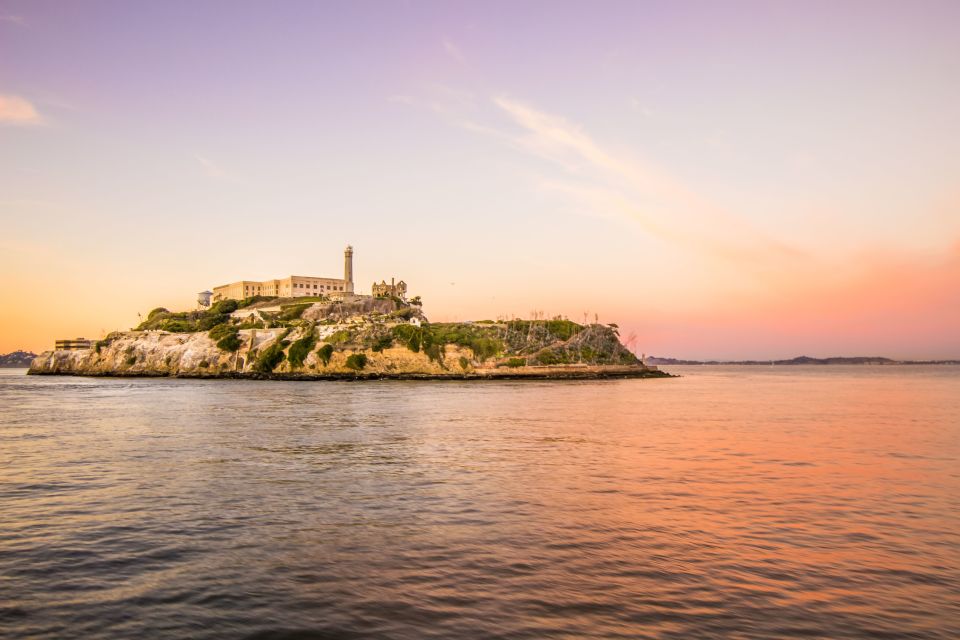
(733, 502)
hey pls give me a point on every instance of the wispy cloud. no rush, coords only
(17, 20)
(603, 182)
(452, 50)
(213, 170)
(640, 191)
(15, 110)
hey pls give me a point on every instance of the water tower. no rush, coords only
(203, 298)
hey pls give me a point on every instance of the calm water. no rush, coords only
(740, 502)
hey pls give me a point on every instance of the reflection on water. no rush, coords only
(745, 502)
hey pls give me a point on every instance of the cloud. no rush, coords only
(212, 169)
(18, 20)
(452, 50)
(18, 111)
(638, 190)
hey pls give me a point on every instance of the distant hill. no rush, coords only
(876, 360)
(17, 359)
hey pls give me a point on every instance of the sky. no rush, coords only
(721, 179)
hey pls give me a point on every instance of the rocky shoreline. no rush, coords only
(527, 373)
(368, 340)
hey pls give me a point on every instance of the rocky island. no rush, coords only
(263, 337)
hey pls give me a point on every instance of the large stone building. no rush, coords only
(292, 286)
(384, 290)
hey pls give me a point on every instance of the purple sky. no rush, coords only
(737, 179)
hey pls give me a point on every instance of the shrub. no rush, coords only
(409, 336)
(227, 337)
(464, 363)
(246, 302)
(383, 342)
(300, 348)
(339, 337)
(324, 353)
(177, 325)
(223, 307)
(209, 321)
(293, 311)
(403, 314)
(221, 331)
(562, 329)
(356, 361)
(517, 362)
(131, 360)
(269, 358)
(547, 357)
(154, 313)
(434, 351)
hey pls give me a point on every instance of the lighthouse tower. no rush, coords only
(348, 269)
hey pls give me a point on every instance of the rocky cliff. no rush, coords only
(365, 339)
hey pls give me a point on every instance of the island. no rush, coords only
(344, 337)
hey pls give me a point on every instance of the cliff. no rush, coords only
(369, 338)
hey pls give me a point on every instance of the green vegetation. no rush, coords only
(516, 362)
(340, 337)
(404, 313)
(481, 340)
(246, 302)
(409, 336)
(548, 357)
(131, 360)
(464, 363)
(293, 311)
(557, 328)
(222, 307)
(270, 357)
(382, 342)
(227, 337)
(356, 361)
(301, 348)
(325, 353)
(189, 321)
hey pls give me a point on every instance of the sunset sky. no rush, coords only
(723, 179)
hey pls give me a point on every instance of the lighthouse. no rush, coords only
(348, 269)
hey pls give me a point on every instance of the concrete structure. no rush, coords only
(384, 290)
(292, 286)
(73, 345)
